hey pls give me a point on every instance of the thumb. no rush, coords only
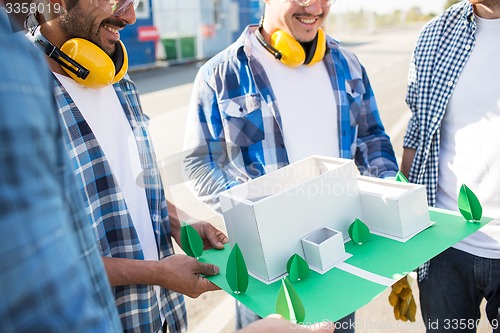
(207, 269)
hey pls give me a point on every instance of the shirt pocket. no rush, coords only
(242, 119)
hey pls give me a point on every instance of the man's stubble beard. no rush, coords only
(73, 26)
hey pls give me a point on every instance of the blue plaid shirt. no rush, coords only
(52, 278)
(441, 52)
(232, 139)
(113, 227)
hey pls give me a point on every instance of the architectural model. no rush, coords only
(307, 207)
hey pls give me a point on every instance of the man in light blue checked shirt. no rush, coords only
(281, 93)
(453, 139)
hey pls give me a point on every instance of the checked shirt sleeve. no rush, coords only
(411, 139)
(374, 153)
(207, 164)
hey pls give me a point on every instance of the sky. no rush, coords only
(387, 6)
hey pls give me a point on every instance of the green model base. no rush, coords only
(337, 293)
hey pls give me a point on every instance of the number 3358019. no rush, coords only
(28, 8)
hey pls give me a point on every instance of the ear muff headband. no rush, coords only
(85, 62)
(277, 54)
(63, 59)
(289, 51)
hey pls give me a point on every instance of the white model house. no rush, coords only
(307, 207)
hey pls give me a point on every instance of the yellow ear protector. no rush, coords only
(290, 52)
(85, 62)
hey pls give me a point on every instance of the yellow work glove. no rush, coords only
(401, 299)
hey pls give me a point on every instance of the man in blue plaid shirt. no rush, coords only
(453, 139)
(52, 278)
(281, 93)
(112, 154)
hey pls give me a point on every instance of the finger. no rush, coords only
(412, 310)
(396, 311)
(393, 298)
(207, 285)
(405, 282)
(207, 269)
(215, 237)
(403, 307)
(200, 286)
(405, 293)
(219, 239)
(222, 237)
(397, 287)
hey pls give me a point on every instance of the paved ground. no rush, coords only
(165, 96)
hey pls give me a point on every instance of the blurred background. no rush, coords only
(184, 31)
(173, 38)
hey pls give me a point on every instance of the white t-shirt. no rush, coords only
(470, 139)
(307, 105)
(103, 112)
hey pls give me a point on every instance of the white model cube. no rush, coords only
(323, 249)
(269, 215)
(393, 208)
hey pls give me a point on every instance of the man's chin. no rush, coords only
(306, 37)
(108, 48)
(305, 40)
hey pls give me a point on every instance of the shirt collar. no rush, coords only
(468, 16)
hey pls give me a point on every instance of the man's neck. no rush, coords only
(47, 30)
(488, 10)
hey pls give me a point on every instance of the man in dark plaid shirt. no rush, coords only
(110, 148)
(453, 139)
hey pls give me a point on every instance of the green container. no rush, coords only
(183, 48)
(170, 46)
(188, 47)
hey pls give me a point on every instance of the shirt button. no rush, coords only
(467, 47)
(450, 83)
(434, 119)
